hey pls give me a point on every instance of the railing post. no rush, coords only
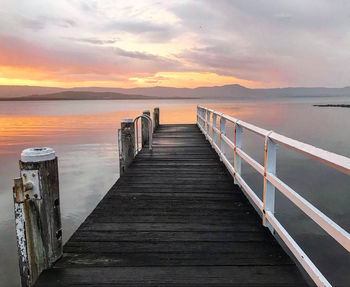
(223, 132)
(156, 118)
(269, 188)
(201, 113)
(237, 162)
(126, 144)
(214, 126)
(208, 122)
(198, 113)
(37, 213)
(145, 128)
(204, 116)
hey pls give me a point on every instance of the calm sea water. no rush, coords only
(84, 136)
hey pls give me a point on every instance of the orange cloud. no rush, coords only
(26, 63)
(43, 77)
(193, 79)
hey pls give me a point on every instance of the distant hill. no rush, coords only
(79, 95)
(220, 92)
(20, 91)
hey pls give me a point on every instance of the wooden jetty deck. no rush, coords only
(174, 218)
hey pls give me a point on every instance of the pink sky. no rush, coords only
(175, 43)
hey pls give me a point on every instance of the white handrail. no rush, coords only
(271, 181)
(334, 160)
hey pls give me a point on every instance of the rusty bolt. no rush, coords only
(27, 196)
(24, 175)
(35, 195)
(33, 174)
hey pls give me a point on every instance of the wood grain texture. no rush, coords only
(43, 219)
(175, 218)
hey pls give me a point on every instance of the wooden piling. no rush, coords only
(37, 213)
(156, 118)
(126, 144)
(144, 128)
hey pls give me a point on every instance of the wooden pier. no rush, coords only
(174, 218)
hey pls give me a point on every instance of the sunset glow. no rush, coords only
(181, 44)
(171, 79)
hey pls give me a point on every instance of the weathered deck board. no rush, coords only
(175, 218)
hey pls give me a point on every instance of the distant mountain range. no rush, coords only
(79, 95)
(220, 92)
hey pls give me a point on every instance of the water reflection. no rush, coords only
(85, 139)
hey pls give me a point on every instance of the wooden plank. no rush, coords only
(174, 276)
(245, 227)
(107, 218)
(170, 259)
(154, 236)
(173, 192)
(171, 205)
(127, 193)
(175, 179)
(253, 248)
(176, 197)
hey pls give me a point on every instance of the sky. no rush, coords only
(182, 43)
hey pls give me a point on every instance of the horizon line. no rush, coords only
(171, 87)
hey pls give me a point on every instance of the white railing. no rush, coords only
(207, 120)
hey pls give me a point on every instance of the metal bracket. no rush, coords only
(31, 188)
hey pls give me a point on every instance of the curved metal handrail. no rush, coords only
(150, 130)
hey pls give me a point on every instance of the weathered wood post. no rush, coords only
(126, 144)
(37, 213)
(156, 118)
(144, 128)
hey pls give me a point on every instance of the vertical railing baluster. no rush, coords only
(269, 188)
(198, 113)
(237, 163)
(202, 115)
(214, 126)
(223, 132)
(208, 123)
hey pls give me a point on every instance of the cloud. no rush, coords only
(43, 21)
(294, 43)
(78, 63)
(33, 24)
(147, 31)
(94, 41)
(286, 40)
